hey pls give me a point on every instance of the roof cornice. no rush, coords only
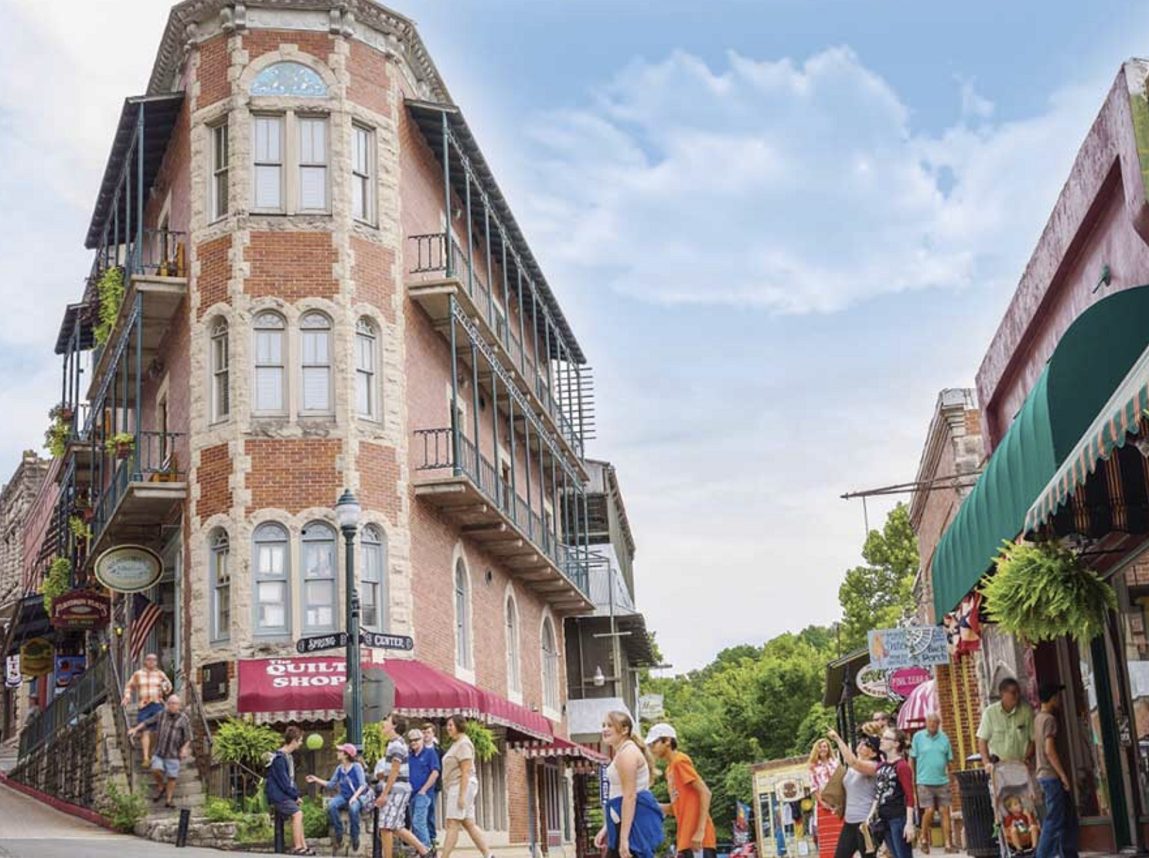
(186, 19)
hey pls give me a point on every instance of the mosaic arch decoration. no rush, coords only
(288, 78)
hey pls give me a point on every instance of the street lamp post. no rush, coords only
(347, 514)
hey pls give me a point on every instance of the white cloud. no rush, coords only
(791, 187)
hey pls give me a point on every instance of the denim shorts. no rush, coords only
(170, 767)
(147, 712)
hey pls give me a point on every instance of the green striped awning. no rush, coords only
(1119, 419)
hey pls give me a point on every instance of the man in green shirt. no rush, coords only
(1006, 729)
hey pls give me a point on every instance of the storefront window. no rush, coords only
(1133, 602)
(1089, 774)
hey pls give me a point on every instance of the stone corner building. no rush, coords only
(326, 289)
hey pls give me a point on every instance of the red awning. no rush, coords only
(310, 688)
(560, 747)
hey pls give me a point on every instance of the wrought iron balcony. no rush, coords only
(134, 494)
(564, 401)
(86, 692)
(472, 492)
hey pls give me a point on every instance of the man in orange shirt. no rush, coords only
(689, 795)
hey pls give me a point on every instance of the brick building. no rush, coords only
(325, 289)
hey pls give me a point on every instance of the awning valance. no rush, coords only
(1092, 359)
(310, 688)
(560, 747)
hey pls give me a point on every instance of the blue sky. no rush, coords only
(779, 228)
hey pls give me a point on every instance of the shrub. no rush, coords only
(128, 809)
(56, 436)
(254, 828)
(57, 582)
(314, 819)
(245, 743)
(373, 744)
(221, 810)
(111, 292)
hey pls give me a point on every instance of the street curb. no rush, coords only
(55, 803)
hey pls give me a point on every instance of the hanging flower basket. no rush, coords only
(1042, 591)
(121, 445)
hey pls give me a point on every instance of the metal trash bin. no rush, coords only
(977, 813)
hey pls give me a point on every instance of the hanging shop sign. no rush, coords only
(651, 708)
(913, 646)
(13, 678)
(872, 682)
(81, 609)
(129, 568)
(36, 658)
(903, 681)
(69, 668)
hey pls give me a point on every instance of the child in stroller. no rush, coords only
(1021, 828)
(1015, 805)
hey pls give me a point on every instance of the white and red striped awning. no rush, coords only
(560, 747)
(921, 702)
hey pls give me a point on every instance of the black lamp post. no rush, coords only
(347, 514)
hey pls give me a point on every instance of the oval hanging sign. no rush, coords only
(872, 682)
(36, 658)
(129, 568)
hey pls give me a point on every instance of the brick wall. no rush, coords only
(960, 707)
(260, 42)
(212, 477)
(373, 272)
(293, 474)
(213, 65)
(291, 265)
(378, 480)
(370, 80)
(214, 272)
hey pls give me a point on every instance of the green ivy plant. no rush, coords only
(57, 434)
(1042, 591)
(111, 294)
(57, 582)
(483, 738)
(80, 529)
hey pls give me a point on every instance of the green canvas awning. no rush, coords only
(1093, 359)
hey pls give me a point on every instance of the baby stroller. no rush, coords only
(1014, 793)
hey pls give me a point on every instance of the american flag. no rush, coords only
(144, 616)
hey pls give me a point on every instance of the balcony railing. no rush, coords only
(431, 258)
(151, 459)
(438, 446)
(86, 692)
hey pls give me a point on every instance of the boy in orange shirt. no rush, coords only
(689, 795)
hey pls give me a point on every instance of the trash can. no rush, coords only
(977, 813)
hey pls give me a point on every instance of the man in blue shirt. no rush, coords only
(930, 755)
(425, 770)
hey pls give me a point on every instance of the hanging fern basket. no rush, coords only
(1042, 591)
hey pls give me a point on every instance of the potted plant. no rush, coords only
(121, 445)
(58, 432)
(110, 291)
(65, 411)
(1042, 591)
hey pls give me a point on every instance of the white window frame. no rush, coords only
(302, 122)
(319, 533)
(271, 534)
(220, 349)
(464, 640)
(220, 171)
(281, 120)
(219, 548)
(363, 171)
(261, 323)
(316, 324)
(551, 672)
(514, 650)
(367, 343)
(373, 575)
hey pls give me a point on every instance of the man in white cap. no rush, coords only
(689, 795)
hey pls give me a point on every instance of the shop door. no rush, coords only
(1132, 635)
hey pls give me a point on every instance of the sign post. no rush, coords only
(319, 643)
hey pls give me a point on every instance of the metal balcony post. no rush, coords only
(139, 189)
(139, 323)
(455, 428)
(555, 509)
(514, 462)
(499, 489)
(535, 329)
(487, 253)
(127, 211)
(475, 404)
(522, 319)
(470, 240)
(506, 293)
(527, 459)
(581, 412)
(449, 249)
(550, 366)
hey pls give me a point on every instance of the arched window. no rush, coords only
(514, 673)
(462, 616)
(373, 579)
(315, 344)
(366, 370)
(288, 78)
(551, 694)
(220, 374)
(318, 559)
(270, 376)
(220, 565)
(271, 566)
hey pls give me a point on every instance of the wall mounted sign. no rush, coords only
(68, 668)
(36, 658)
(129, 568)
(13, 678)
(214, 681)
(914, 646)
(872, 682)
(903, 681)
(81, 609)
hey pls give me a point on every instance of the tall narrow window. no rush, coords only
(362, 157)
(366, 344)
(220, 161)
(312, 164)
(315, 342)
(270, 378)
(550, 666)
(462, 616)
(220, 586)
(220, 393)
(271, 566)
(318, 558)
(372, 588)
(268, 151)
(514, 675)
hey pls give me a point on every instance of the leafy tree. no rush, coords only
(877, 595)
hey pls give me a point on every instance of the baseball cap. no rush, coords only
(347, 748)
(1046, 691)
(660, 731)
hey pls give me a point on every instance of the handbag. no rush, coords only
(834, 792)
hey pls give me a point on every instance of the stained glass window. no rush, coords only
(289, 79)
